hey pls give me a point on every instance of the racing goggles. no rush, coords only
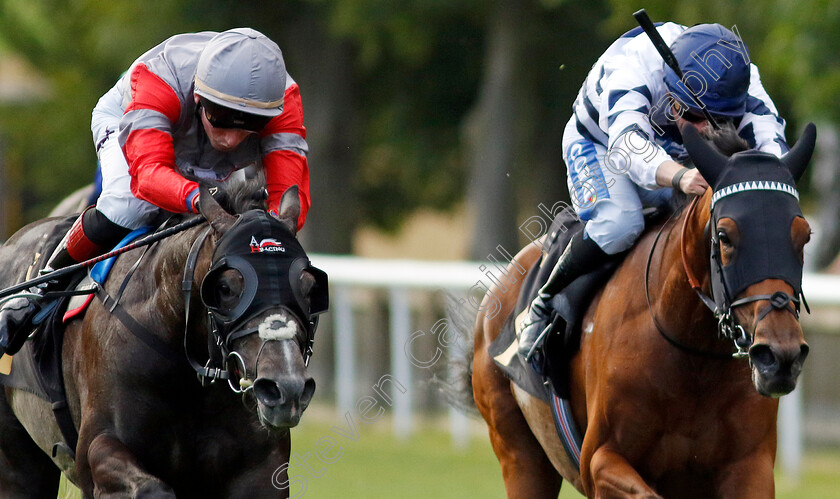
(225, 117)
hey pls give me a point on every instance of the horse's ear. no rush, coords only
(289, 211)
(798, 158)
(708, 160)
(219, 219)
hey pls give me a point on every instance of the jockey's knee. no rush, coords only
(101, 230)
(614, 228)
(125, 210)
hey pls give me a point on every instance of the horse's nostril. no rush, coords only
(762, 356)
(268, 392)
(803, 352)
(308, 392)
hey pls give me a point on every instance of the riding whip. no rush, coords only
(669, 58)
(151, 238)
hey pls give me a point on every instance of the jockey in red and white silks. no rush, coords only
(149, 135)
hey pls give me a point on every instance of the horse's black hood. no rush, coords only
(758, 192)
(271, 261)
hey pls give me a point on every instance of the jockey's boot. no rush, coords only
(582, 255)
(17, 313)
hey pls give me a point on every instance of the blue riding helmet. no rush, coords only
(715, 63)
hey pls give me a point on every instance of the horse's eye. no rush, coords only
(724, 238)
(224, 289)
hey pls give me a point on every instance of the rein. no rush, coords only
(150, 239)
(206, 371)
(679, 345)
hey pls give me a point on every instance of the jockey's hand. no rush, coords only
(693, 183)
(690, 179)
(218, 194)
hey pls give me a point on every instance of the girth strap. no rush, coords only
(61, 412)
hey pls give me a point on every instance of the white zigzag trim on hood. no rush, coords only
(754, 186)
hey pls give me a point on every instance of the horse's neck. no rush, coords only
(679, 271)
(171, 270)
(695, 242)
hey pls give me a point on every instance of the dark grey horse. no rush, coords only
(147, 427)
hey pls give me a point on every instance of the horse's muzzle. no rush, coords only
(775, 370)
(281, 402)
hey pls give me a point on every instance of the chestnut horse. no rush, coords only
(147, 427)
(666, 409)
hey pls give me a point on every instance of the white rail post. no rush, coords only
(400, 324)
(345, 349)
(790, 434)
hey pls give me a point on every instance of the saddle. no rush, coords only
(555, 349)
(550, 372)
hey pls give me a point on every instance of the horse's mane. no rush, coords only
(239, 198)
(243, 196)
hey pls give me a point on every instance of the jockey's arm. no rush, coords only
(625, 115)
(761, 126)
(146, 140)
(284, 147)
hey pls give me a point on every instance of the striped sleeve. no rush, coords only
(625, 115)
(284, 150)
(146, 140)
(762, 127)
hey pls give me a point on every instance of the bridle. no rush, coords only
(223, 361)
(728, 326)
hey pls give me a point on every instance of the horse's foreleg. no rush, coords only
(751, 477)
(116, 473)
(25, 470)
(613, 477)
(526, 470)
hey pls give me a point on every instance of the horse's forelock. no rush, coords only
(726, 138)
(727, 141)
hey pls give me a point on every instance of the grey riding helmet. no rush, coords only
(241, 79)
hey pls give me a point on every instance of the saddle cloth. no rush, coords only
(97, 276)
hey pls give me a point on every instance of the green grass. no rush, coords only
(377, 465)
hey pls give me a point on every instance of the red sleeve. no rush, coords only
(284, 168)
(149, 150)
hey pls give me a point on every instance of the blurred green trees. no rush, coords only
(408, 103)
